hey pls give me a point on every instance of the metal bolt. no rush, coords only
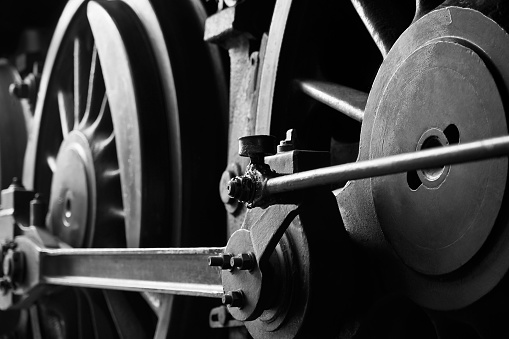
(37, 211)
(222, 261)
(233, 299)
(244, 261)
(230, 203)
(13, 266)
(16, 184)
(287, 144)
(241, 188)
(20, 90)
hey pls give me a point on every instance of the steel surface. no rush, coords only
(182, 271)
(343, 99)
(437, 157)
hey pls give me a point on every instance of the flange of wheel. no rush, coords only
(282, 294)
(443, 82)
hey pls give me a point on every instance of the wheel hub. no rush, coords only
(442, 231)
(438, 218)
(73, 192)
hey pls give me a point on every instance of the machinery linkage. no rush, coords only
(244, 274)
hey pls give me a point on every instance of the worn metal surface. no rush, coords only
(240, 29)
(162, 270)
(438, 157)
(440, 225)
(167, 69)
(343, 99)
(476, 277)
(264, 186)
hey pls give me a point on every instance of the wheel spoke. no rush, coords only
(34, 322)
(99, 121)
(343, 99)
(64, 111)
(96, 91)
(80, 82)
(385, 20)
(164, 317)
(126, 322)
(52, 163)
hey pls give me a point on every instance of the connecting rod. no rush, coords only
(162, 270)
(431, 158)
(268, 186)
(29, 269)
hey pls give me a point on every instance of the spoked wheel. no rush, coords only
(437, 236)
(113, 151)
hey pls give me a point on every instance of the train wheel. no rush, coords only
(114, 149)
(344, 100)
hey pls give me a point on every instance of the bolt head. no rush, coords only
(233, 299)
(222, 261)
(244, 261)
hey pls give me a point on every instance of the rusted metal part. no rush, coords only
(230, 204)
(482, 46)
(277, 280)
(343, 99)
(240, 29)
(263, 187)
(250, 187)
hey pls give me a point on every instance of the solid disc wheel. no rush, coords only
(112, 151)
(435, 238)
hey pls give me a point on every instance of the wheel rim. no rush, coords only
(119, 150)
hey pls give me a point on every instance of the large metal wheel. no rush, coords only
(116, 149)
(431, 253)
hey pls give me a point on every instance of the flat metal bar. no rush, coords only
(183, 271)
(346, 100)
(432, 158)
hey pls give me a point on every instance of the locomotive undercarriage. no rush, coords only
(360, 149)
